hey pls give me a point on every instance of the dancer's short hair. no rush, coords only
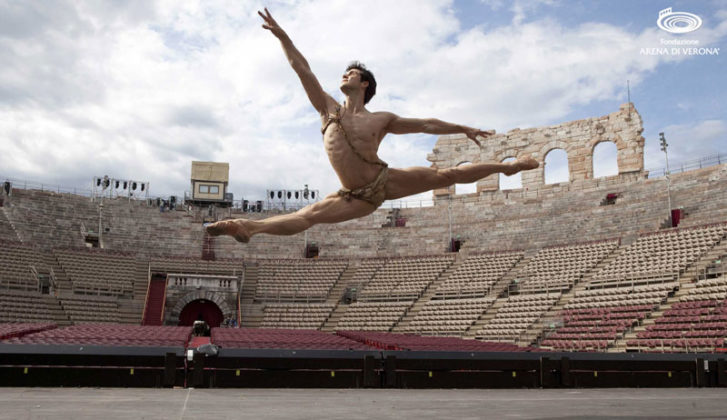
(366, 76)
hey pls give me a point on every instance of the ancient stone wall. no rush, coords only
(179, 297)
(577, 138)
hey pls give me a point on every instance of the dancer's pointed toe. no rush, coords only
(214, 229)
(523, 164)
(234, 228)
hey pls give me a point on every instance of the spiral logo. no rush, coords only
(678, 22)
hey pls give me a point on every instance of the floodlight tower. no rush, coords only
(306, 193)
(449, 215)
(664, 146)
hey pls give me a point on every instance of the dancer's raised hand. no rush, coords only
(473, 133)
(270, 23)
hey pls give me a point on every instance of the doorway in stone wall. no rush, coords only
(201, 309)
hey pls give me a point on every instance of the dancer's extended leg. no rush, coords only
(332, 209)
(410, 181)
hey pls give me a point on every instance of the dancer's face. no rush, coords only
(351, 79)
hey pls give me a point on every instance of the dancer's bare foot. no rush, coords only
(523, 164)
(235, 228)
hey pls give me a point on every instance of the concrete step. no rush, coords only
(251, 315)
(336, 314)
(339, 288)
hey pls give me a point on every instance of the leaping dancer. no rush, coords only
(351, 137)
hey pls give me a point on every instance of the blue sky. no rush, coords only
(139, 89)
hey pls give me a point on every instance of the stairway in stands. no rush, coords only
(251, 312)
(687, 280)
(154, 308)
(7, 227)
(428, 293)
(208, 247)
(335, 297)
(63, 281)
(500, 290)
(536, 331)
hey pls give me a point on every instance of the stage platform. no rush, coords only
(159, 366)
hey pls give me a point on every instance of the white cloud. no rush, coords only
(140, 89)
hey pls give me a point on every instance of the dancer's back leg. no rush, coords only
(332, 209)
(419, 179)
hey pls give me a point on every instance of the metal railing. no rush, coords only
(689, 165)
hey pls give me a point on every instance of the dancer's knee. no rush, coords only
(447, 176)
(307, 216)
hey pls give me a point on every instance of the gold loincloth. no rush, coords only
(373, 193)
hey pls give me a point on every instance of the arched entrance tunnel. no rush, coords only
(201, 309)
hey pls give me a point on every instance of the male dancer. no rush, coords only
(351, 137)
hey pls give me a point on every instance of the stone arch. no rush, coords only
(512, 182)
(470, 188)
(217, 298)
(555, 176)
(608, 157)
(621, 147)
(547, 148)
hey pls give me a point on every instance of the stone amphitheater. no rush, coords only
(588, 264)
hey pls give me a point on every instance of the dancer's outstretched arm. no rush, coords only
(321, 101)
(399, 125)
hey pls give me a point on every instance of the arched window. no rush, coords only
(512, 182)
(556, 167)
(605, 159)
(465, 188)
